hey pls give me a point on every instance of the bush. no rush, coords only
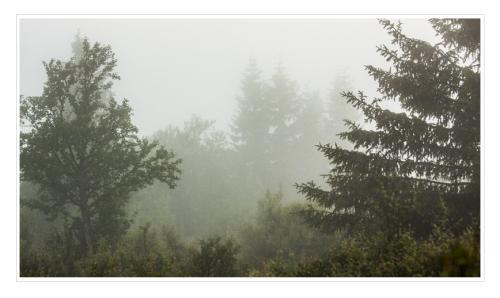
(279, 237)
(377, 255)
(216, 257)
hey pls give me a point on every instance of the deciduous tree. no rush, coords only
(81, 149)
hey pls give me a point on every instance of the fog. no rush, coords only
(244, 148)
(173, 68)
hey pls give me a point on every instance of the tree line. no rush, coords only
(396, 193)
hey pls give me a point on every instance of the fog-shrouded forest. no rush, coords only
(250, 148)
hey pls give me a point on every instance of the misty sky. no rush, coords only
(173, 68)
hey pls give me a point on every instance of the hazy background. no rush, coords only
(173, 68)
(254, 194)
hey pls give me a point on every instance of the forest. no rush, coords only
(301, 184)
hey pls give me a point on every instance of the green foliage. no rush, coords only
(462, 257)
(425, 158)
(403, 197)
(379, 255)
(144, 252)
(130, 260)
(337, 111)
(251, 123)
(39, 264)
(216, 257)
(275, 129)
(279, 237)
(34, 228)
(413, 176)
(81, 149)
(460, 34)
(205, 201)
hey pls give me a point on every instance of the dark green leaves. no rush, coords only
(81, 148)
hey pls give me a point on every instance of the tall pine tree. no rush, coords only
(250, 127)
(265, 129)
(337, 110)
(282, 96)
(419, 167)
(310, 124)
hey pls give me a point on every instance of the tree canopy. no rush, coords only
(419, 167)
(401, 195)
(81, 149)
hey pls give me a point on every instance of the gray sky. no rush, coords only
(173, 68)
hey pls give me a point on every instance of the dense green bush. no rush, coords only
(144, 252)
(277, 244)
(403, 256)
(216, 257)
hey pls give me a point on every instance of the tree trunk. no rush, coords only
(89, 245)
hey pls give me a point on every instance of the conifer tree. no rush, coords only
(419, 167)
(282, 96)
(310, 124)
(250, 127)
(265, 130)
(337, 110)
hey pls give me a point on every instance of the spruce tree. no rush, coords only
(310, 124)
(265, 129)
(282, 97)
(337, 110)
(413, 169)
(250, 126)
